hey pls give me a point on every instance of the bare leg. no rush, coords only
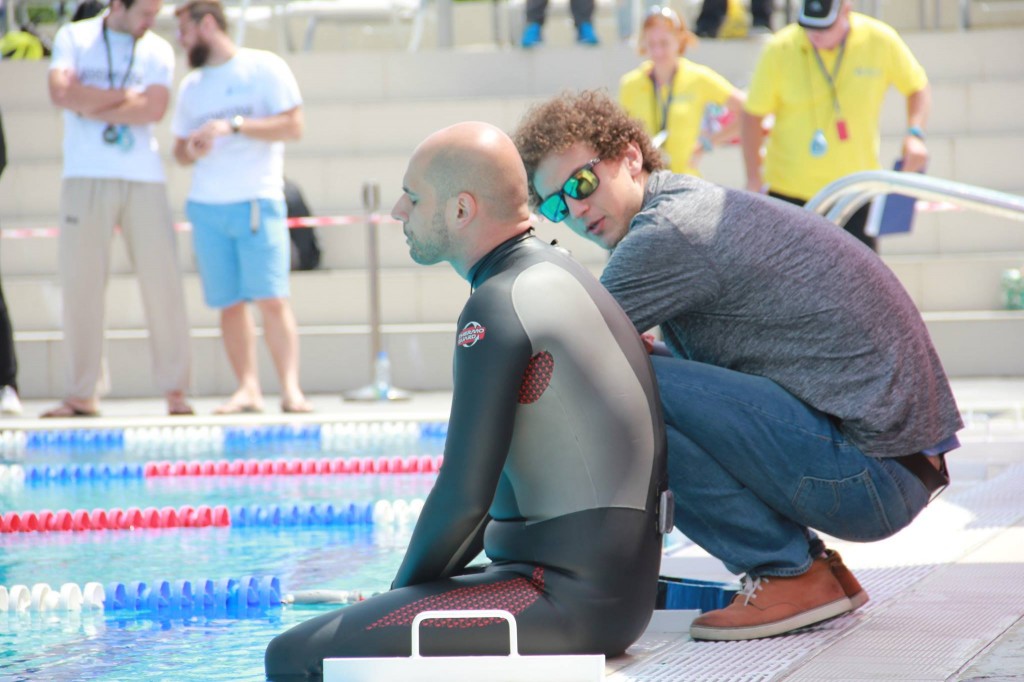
(240, 343)
(282, 338)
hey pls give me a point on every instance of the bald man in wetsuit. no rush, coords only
(555, 457)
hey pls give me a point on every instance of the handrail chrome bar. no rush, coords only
(840, 199)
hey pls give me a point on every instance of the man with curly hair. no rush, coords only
(803, 391)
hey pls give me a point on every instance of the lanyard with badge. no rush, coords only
(819, 145)
(121, 135)
(663, 106)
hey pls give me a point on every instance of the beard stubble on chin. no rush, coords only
(198, 55)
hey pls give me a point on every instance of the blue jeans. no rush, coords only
(754, 469)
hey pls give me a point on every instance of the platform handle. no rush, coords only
(513, 633)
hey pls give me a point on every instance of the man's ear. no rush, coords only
(463, 208)
(633, 159)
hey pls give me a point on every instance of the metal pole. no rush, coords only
(380, 387)
(445, 24)
(371, 202)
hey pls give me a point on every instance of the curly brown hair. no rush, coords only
(587, 116)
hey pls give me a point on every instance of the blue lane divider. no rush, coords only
(224, 595)
(80, 473)
(236, 597)
(112, 439)
(231, 437)
(271, 515)
(249, 435)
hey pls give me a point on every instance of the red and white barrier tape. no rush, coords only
(310, 221)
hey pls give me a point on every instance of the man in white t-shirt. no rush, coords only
(233, 114)
(112, 76)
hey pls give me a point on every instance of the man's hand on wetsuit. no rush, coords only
(655, 347)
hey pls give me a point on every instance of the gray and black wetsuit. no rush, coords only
(553, 465)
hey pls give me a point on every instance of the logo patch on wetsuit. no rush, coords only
(470, 334)
(536, 378)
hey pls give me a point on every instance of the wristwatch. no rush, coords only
(236, 124)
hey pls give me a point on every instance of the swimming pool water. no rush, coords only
(115, 646)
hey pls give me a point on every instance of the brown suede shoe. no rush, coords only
(854, 592)
(774, 605)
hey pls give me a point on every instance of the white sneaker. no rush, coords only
(9, 401)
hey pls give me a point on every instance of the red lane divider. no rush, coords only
(132, 518)
(309, 221)
(413, 464)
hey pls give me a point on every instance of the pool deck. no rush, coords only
(947, 593)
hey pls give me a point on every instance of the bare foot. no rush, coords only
(242, 401)
(303, 406)
(71, 408)
(177, 406)
(293, 401)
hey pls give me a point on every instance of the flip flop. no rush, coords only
(181, 411)
(67, 411)
(300, 408)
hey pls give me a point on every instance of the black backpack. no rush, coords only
(305, 249)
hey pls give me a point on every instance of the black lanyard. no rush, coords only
(832, 77)
(110, 60)
(668, 102)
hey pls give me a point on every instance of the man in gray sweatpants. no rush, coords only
(111, 75)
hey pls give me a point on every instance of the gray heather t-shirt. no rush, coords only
(759, 286)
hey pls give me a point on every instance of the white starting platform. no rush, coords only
(665, 627)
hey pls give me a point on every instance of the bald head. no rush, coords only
(481, 160)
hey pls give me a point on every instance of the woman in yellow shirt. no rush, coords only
(678, 101)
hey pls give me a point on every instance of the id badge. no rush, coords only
(841, 130)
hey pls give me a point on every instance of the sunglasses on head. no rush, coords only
(581, 184)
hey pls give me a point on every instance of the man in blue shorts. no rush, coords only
(554, 460)
(234, 112)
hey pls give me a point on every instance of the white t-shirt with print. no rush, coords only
(253, 83)
(79, 47)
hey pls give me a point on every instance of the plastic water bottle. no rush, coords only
(1013, 289)
(382, 375)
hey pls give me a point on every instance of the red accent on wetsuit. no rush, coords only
(536, 378)
(513, 596)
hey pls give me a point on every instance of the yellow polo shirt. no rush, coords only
(695, 86)
(789, 83)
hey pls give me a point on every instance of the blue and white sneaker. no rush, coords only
(531, 36)
(585, 34)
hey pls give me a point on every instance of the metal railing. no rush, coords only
(840, 199)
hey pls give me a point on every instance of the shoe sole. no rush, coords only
(779, 627)
(858, 600)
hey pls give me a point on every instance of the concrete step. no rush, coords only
(343, 247)
(333, 359)
(341, 76)
(375, 126)
(30, 191)
(319, 298)
(955, 284)
(975, 344)
(412, 294)
(946, 233)
(337, 358)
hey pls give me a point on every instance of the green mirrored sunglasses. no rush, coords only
(581, 184)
